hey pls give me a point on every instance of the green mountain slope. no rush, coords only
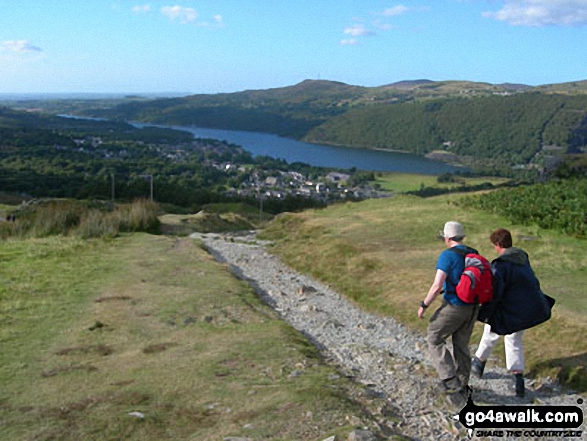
(507, 130)
(288, 111)
(500, 125)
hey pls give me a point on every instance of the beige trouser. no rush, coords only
(457, 323)
(514, 348)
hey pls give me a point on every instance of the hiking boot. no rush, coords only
(460, 398)
(520, 387)
(457, 400)
(467, 392)
(477, 367)
(451, 385)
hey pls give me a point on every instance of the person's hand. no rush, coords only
(421, 312)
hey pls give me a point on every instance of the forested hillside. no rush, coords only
(289, 111)
(48, 156)
(492, 126)
(502, 130)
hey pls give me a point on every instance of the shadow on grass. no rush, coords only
(570, 371)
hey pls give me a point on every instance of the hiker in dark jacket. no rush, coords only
(518, 304)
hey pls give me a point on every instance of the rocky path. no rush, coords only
(389, 359)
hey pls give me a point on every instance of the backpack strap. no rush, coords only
(461, 252)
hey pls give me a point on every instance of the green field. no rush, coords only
(93, 332)
(404, 182)
(382, 254)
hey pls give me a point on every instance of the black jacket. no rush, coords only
(518, 302)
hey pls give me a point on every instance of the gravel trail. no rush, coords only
(388, 358)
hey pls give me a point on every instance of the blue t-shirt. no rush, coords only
(453, 265)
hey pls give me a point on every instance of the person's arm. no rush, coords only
(434, 290)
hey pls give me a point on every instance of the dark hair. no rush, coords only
(501, 237)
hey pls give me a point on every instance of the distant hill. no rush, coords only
(408, 84)
(516, 87)
(498, 124)
(574, 87)
(288, 111)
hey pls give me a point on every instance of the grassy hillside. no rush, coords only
(382, 254)
(93, 332)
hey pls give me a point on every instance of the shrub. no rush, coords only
(558, 205)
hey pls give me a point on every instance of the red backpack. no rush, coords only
(476, 283)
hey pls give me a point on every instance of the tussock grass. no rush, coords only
(138, 216)
(382, 255)
(82, 219)
(180, 341)
(95, 223)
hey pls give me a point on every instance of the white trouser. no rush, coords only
(514, 349)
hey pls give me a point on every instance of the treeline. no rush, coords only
(558, 204)
(498, 130)
(19, 128)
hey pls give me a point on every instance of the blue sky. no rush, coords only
(205, 46)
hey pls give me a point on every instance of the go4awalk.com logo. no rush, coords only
(522, 421)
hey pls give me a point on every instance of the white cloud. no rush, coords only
(18, 46)
(382, 26)
(542, 12)
(184, 15)
(141, 9)
(349, 42)
(396, 10)
(216, 22)
(357, 30)
(360, 30)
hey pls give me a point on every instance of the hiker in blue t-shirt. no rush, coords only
(454, 318)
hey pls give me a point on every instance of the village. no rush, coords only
(238, 174)
(270, 181)
(328, 187)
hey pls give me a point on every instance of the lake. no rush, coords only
(263, 144)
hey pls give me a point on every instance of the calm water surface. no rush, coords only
(262, 144)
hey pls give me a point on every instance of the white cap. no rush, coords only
(453, 229)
